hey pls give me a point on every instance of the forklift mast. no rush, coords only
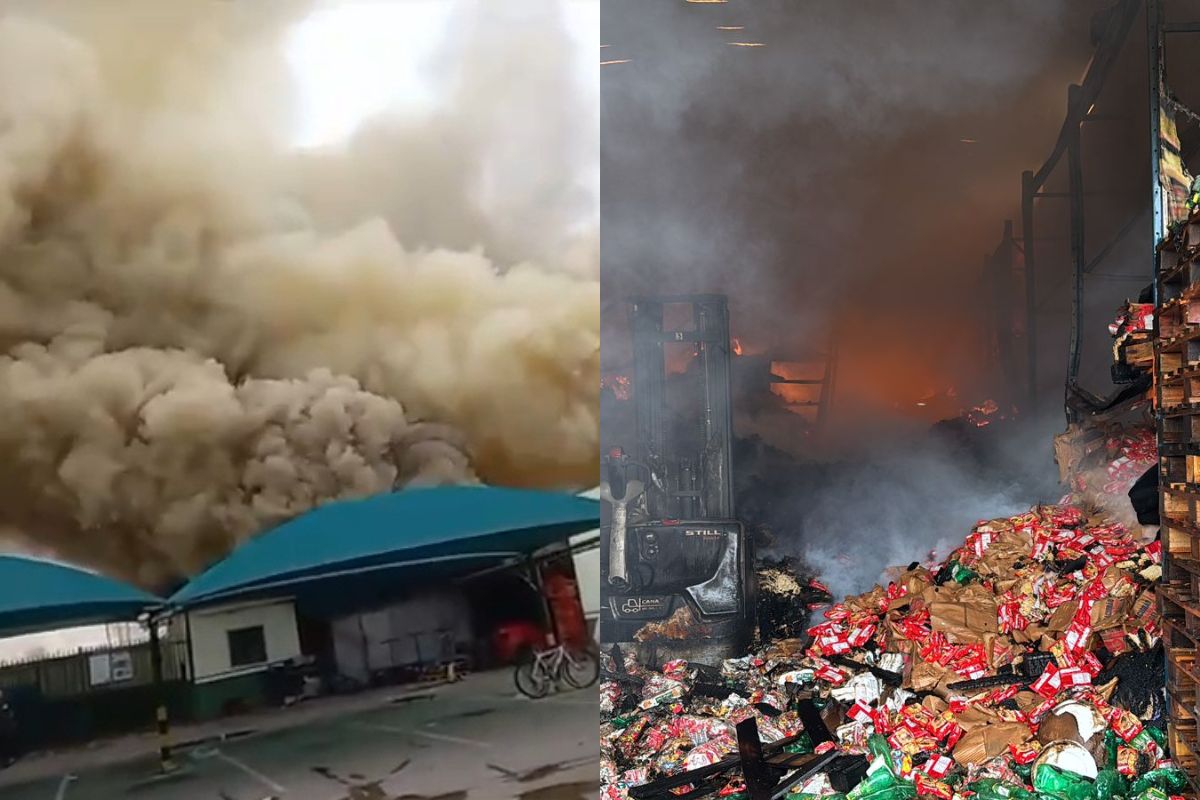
(697, 484)
(677, 567)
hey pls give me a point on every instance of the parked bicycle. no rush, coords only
(545, 669)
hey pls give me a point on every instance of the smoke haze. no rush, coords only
(206, 332)
(842, 183)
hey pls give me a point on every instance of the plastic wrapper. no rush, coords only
(1027, 611)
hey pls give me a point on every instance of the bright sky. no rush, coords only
(359, 58)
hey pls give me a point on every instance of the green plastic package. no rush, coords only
(802, 745)
(1170, 779)
(1110, 749)
(1152, 793)
(1110, 784)
(880, 749)
(1051, 781)
(882, 784)
(962, 575)
(996, 789)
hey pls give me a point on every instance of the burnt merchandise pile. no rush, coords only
(787, 594)
(1027, 664)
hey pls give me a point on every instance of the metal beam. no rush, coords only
(1068, 194)
(1027, 251)
(1181, 27)
(1075, 180)
(1154, 39)
(1104, 251)
(1119, 24)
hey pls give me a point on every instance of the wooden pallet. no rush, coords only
(1177, 402)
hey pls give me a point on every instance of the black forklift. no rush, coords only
(677, 567)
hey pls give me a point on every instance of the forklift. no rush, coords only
(677, 567)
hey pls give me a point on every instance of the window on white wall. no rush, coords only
(247, 646)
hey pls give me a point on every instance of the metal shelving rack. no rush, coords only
(1177, 402)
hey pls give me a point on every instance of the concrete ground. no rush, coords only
(473, 740)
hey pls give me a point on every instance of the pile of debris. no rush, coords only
(1026, 665)
(787, 593)
(1101, 464)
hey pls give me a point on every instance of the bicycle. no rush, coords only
(546, 668)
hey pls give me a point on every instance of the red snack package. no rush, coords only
(1047, 684)
(861, 711)
(938, 766)
(1026, 753)
(928, 787)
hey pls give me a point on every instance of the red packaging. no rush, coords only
(1037, 714)
(831, 674)
(823, 748)
(938, 766)
(979, 542)
(861, 711)
(676, 670)
(973, 668)
(1008, 614)
(861, 635)
(1154, 550)
(901, 739)
(1077, 636)
(1074, 676)
(1114, 640)
(1047, 683)
(1123, 723)
(954, 736)
(1026, 753)
(882, 721)
(997, 696)
(1041, 546)
(655, 738)
(1127, 759)
(928, 787)
(1090, 664)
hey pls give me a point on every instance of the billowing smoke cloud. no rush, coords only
(200, 341)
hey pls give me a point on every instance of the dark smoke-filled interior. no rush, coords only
(899, 397)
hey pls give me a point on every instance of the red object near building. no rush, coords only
(512, 639)
(563, 595)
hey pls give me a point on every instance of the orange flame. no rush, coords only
(737, 347)
(621, 385)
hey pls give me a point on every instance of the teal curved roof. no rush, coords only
(429, 530)
(39, 595)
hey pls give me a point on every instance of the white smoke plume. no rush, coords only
(205, 333)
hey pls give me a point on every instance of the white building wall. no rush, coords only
(587, 566)
(210, 642)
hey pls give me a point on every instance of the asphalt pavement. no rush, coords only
(475, 740)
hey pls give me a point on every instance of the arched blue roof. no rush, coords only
(39, 595)
(424, 531)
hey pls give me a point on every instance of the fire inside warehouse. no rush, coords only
(888, 529)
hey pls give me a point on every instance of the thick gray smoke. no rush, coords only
(200, 341)
(843, 181)
(893, 499)
(821, 179)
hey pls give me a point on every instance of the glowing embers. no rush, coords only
(985, 414)
(621, 386)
